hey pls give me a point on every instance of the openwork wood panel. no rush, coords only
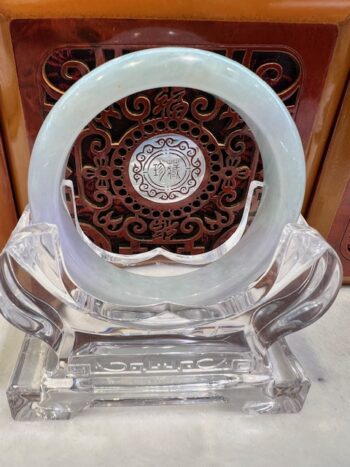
(129, 198)
(167, 167)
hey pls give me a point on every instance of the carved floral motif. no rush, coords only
(121, 213)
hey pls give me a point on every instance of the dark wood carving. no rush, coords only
(110, 210)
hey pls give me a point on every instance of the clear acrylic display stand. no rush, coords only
(80, 352)
(107, 330)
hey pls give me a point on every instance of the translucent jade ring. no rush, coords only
(262, 110)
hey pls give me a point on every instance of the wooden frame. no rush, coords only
(8, 215)
(14, 132)
(330, 209)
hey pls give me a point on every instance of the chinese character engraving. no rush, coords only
(170, 168)
(167, 168)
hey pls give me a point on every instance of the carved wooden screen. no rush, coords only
(112, 209)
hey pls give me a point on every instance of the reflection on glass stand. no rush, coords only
(80, 352)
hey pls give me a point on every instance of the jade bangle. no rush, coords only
(263, 111)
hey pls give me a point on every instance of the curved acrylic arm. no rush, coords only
(37, 296)
(300, 298)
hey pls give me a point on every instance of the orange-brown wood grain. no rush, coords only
(12, 120)
(306, 11)
(8, 216)
(328, 106)
(330, 209)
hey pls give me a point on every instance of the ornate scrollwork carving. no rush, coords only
(131, 198)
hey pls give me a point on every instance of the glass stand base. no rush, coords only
(150, 371)
(82, 352)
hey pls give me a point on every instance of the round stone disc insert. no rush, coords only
(167, 168)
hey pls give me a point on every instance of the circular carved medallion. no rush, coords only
(110, 210)
(167, 168)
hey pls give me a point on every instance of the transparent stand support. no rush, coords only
(81, 353)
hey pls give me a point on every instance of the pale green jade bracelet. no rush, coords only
(271, 125)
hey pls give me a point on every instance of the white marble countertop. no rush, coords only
(199, 435)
